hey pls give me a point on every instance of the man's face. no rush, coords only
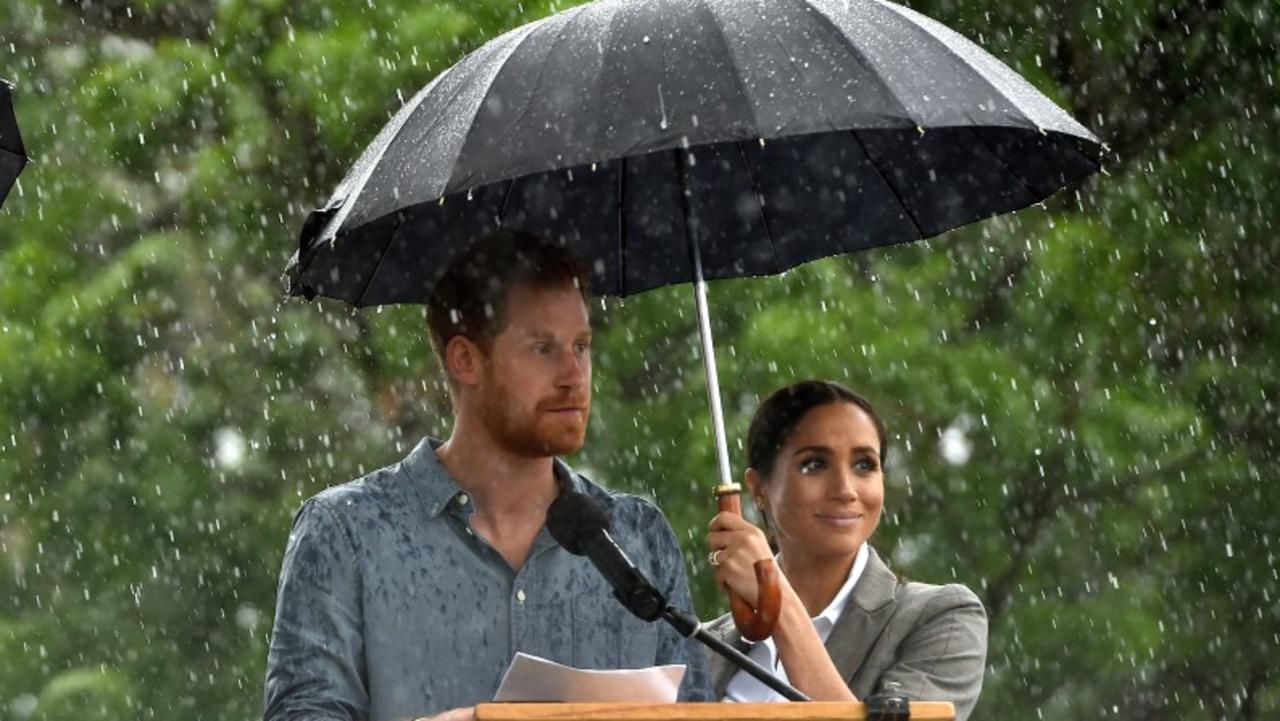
(535, 386)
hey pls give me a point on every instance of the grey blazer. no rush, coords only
(931, 640)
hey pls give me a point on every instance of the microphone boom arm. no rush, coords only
(689, 627)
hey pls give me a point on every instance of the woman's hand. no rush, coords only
(739, 544)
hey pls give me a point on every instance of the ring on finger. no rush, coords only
(714, 557)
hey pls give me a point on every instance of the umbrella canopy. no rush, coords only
(13, 155)
(768, 134)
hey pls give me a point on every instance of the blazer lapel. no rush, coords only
(722, 670)
(868, 612)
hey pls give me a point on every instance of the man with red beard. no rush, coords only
(407, 592)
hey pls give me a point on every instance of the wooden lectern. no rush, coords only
(809, 711)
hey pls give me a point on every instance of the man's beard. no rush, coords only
(537, 436)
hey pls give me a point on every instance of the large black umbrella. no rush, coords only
(799, 130)
(13, 155)
(669, 141)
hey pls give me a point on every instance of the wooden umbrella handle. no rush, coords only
(755, 624)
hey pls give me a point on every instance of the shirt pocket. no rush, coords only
(606, 635)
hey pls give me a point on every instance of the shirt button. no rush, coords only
(470, 532)
(462, 499)
(520, 595)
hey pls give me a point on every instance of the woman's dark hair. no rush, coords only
(777, 416)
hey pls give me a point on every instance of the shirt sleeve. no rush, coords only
(944, 655)
(672, 647)
(315, 666)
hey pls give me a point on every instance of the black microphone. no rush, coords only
(578, 524)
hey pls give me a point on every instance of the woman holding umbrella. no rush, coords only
(848, 627)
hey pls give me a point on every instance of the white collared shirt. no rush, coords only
(744, 688)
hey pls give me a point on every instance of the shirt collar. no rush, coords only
(437, 487)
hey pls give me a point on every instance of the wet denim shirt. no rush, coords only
(390, 606)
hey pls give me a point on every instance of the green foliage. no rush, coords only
(84, 693)
(1106, 365)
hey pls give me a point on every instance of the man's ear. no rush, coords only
(463, 360)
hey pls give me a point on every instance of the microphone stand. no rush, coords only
(689, 627)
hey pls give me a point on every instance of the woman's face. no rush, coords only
(825, 491)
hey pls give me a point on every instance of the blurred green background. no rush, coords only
(1082, 397)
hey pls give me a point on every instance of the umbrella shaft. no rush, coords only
(709, 363)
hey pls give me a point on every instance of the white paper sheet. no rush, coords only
(533, 679)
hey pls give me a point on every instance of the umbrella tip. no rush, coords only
(313, 228)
